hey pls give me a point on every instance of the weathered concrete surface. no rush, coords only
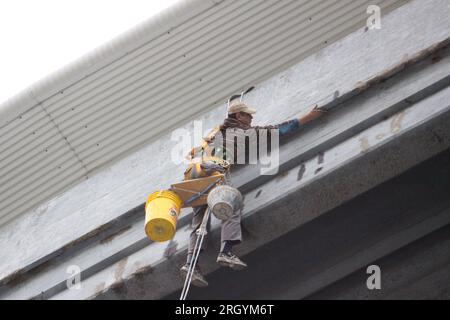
(125, 236)
(93, 204)
(349, 167)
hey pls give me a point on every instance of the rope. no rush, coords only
(201, 232)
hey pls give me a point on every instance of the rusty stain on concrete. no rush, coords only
(118, 287)
(301, 172)
(406, 61)
(145, 269)
(86, 237)
(99, 288)
(14, 278)
(282, 174)
(436, 58)
(321, 157)
(120, 269)
(22, 275)
(140, 273)
(364, 144)
(396, 124)
(112, 236)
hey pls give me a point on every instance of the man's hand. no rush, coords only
(315, 113)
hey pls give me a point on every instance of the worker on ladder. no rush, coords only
(211, 158)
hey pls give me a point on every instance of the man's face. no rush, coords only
(245, 118)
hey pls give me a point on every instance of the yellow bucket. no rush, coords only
(161, 212)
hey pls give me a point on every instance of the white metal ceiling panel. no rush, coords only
(159, 84)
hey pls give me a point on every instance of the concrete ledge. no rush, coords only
(279, 200)
(382, 95)
(122, 237)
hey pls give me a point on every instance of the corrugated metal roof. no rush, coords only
(123, 96)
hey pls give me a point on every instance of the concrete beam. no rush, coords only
(298, 196)
(90, 208)
(125, 236)
(91, 205)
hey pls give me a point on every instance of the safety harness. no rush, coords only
(204, 154)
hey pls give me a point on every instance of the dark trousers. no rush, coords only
(230, 229)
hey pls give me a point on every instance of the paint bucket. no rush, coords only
(223, 200)
(161, 212)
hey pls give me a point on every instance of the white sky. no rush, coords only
(41, 36)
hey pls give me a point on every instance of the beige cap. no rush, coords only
(239, 106)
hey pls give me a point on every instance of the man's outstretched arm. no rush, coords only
(315, 113)
(288, 127)
(291, 126)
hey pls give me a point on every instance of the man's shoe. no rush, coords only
(197, 279)
(230, 260)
